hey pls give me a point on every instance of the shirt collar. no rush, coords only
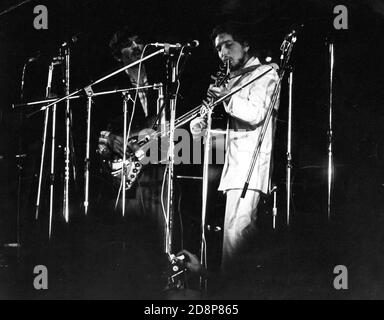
(253, 61)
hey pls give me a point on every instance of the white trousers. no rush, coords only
(239, 223)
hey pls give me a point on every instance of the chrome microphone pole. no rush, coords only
(19, 164)
(289, 148)
(286, 48)
(87, 153)
(203, 245)
(330, 131)
(52, 175)
(101, 93)
(67, 137)
(171, 160)
(125, 137)
(44, 140)
(20, 156)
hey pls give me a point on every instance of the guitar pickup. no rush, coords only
(140, 154)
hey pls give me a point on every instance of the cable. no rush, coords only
(162, 195)
(181, 219)
(177, 72)
(179, 58)
(131, 118)
(167, 166)
(177, 89)
(136, 92)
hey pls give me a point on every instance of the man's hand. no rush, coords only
(109, 142)
(197, 126)
(103, 146)
(192, 262)
(217, 92)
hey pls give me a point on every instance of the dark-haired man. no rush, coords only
(247, 110)
(126, 48)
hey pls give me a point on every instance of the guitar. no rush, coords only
(110, 149)
(110, 143)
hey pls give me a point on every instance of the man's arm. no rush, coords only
(251, 105)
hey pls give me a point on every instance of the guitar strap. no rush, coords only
(242, 73)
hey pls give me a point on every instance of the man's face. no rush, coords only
(229, 49)
(132, 50)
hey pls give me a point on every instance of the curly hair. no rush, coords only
(119, 40)
(237, 31)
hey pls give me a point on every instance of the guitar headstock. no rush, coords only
(222, 76)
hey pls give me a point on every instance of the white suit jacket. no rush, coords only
(247, 110)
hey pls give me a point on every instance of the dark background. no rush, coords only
(355, 234)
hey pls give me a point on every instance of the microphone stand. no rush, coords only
(48, 92)
(169, 215)
(203, 245)
(19, 165)
(87, 152)
(67, 54)
(286, 48)
(330, 130)
(90, 95)
(171, 156)
(67, 116)
(289, 147)
(101, 93)
(52, 175)
(68, 96)
(126, 97)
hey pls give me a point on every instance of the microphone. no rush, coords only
(34, 58)
(294, 32)
(191, 45)
(290, 35)
(31, 59)
(71, 41)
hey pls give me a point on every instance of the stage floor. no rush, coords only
(122, 259)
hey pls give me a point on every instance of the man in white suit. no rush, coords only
(247, 111)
